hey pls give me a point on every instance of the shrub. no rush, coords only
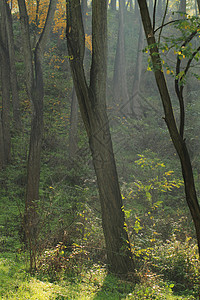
(178, 262)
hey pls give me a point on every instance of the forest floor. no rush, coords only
(92, 283)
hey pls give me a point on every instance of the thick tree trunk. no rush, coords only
(177, 139)
(93, 110)
(120, 90)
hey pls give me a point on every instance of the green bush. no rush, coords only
(179, 263)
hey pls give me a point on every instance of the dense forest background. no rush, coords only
(60, 252)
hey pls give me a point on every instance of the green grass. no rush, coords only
(93, 283)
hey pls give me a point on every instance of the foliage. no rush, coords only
(179, 263)
(71, 248)
(92, 283)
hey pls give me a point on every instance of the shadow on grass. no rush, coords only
(114, 288)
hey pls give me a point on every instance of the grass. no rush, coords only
(92, 283)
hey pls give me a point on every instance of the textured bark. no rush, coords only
(35, 88)
(93, 110)
(177, 139)
(120, 90)
(13, 73)
(5, 87)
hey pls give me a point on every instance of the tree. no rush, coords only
(182, 9)
(73, 133)
(35, 87)
(113, 4)
(198, 4)
(92, 105)
(13, 73)
(135, 101)
(177, 135)
(5, 87)
(120, 90)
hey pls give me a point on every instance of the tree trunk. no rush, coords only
(93, 110)
(5, 87)
(35, 89)
(84, 8)
(130, 4)
(150, 8)
(182, 9)
(13, 73)
(198, 4)
(120, 90)
(113, 4)
(73, 133)
(177, 139)
(2, 159)
(135, 101)
(5, 81)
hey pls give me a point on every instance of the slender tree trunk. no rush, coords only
(150, 8)
(35, 89)
(84, 8)
(120, 90)
(2, 159)
(177, 139)
(182, 9)
(113, 4)
(5, 81)
(198, 4)
(93, 110)
(5, 87)
(13, 73)
(135, 103)
(73, 134)
(130, 4)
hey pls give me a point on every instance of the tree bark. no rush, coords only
(120, 90)
(177, 139)
(35, 88)
(13, 73)
(5, 87)
(93, 110)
